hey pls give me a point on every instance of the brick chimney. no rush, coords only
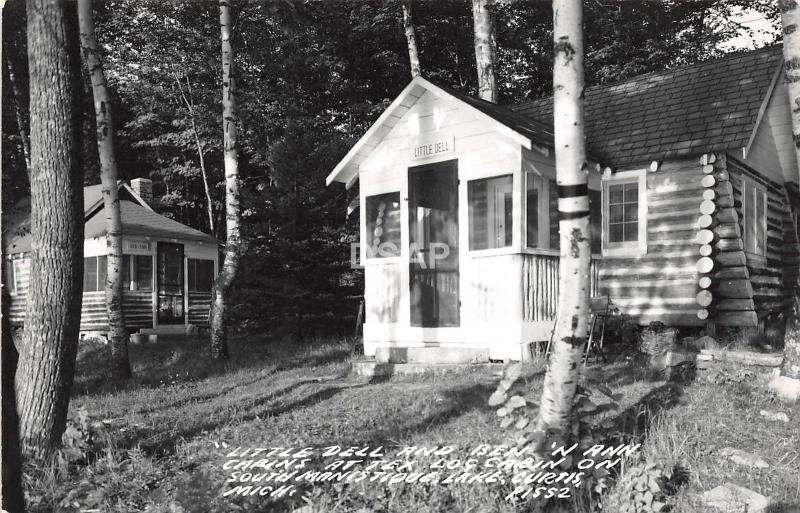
(144, 188)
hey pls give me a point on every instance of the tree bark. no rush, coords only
(411, 38)
(485, 49)
(230, 265)
(117, 331)
(19, 112)
(790, 18)
(52, 316)
(571, 327)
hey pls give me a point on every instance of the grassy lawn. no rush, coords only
(155, 443)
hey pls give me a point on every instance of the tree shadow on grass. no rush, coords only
(164, 443)
(456, 403)
(179, 360)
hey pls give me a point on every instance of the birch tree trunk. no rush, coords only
(571, 327)
(117, 332)
(230, 266)
(52, 316)
(411, 38)
(790, 18)
(188, 100)
(485, 49)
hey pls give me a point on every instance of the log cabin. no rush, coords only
(691, 183)
(168, 267)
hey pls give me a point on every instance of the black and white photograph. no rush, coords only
(354, 256)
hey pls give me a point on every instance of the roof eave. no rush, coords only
(344, 171)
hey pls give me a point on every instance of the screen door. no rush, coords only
(433, 244)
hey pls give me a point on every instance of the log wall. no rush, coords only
(199, 308)
(137, 305)
(662, 284)
(765, 276)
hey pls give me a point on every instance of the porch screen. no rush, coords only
(142, 273)
(490, 209)
(201, 275)
(94, 273)
(383, 225)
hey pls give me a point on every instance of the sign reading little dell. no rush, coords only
(691, 195)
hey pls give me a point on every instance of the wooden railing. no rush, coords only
(540, 286)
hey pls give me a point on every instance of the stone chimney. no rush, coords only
(144, 188)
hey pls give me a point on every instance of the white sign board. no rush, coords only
(432, 148)
(136, 247)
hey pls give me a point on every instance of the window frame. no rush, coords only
(543, 196)
(366, 256)
(509, 247)
(749, 183)
(629, 248)
(191, 265)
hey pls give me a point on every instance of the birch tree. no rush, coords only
(485, 49)
(117, 332)
(411, 38)
(53, 309)
(233, 243)
(788, 384)
(571, 327)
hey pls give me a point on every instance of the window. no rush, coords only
(537, 211)
(596, 219)
(754, 206)
(94, 273)
(19, 270)
(137, 273)
(490, 210)
(142, 275)
(541, 209)
(624, 212)
(201, 275)
(383, 225)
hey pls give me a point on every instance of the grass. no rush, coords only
(156, 438)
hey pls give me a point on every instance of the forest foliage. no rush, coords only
(312, 76)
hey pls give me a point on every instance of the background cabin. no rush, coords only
(168, 267)
(692, 219)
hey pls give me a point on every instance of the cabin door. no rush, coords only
(170, 283)
(433, 244)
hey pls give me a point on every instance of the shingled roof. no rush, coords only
(136, 220)
(709, 106)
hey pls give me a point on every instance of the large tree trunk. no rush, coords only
(411, 38)
(571, 327)
(53, 311)
(219, 340)
(485, 49)
(790, 18)
(117, 332)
